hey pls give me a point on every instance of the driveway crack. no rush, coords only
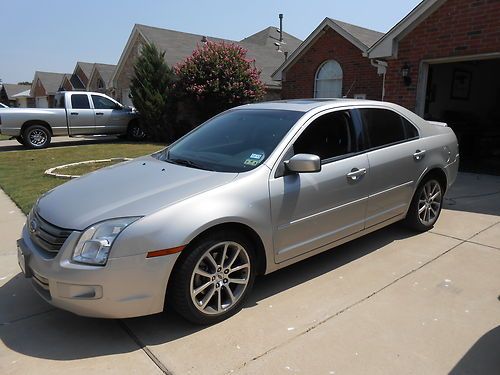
(144, 348)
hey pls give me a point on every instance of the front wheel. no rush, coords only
(21, 140)
(214, 280)
(426, 205)
(36, 136)
(135, 131)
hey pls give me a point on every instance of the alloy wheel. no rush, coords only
(37, 137)
(220, 278)
(429, 202)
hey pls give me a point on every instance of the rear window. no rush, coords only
(384, 127)
(80, 101)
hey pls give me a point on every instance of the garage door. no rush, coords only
(42, 102)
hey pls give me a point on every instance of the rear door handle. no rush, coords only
(355, 174)
(74, 113)
(419, 154)
(99, 114)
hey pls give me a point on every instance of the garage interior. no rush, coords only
(466, 95)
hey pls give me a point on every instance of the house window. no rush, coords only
(328, 82)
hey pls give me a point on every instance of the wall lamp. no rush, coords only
(405, 72)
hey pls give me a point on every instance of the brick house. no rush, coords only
(100, 78)
(44, 87)
(9, 94)
(79, 80)
(330, 63)
(261, 46)
(443, 62)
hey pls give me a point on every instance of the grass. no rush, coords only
(22, 172)
(4, 137)
(79, 170)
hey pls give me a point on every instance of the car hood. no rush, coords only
(134, 188)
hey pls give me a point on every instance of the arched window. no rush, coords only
(328, 82)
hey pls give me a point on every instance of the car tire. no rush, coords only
(21, 140)
(135, 132)
(36, 136)
(426, 205)
(207, 291)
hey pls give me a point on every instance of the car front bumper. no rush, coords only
(125, 287)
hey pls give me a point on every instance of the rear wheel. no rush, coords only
(426, 205)
(135, 131)
(36, 136)
(214, 280)
(21, 140)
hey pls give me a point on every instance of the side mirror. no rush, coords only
(303, 163)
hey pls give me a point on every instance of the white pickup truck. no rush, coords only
(75, 113)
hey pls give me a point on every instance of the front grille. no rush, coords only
(47, 236)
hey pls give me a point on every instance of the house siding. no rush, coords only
(81, 75)
(457, 28)
(359, 77)
(122, 81)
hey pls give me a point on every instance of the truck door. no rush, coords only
(81, 119)
(110, 117)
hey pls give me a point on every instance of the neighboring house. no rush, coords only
(9, 91)
(79, 80)
(330, 64)
(44, 87)
(443, 63)
(100, 78)
(179, 45)
(24, 99)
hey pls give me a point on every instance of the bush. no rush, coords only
(216, 77)
(150, 92)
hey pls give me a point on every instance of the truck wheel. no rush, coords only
(135, 132)
(21, 140)
(36, 136)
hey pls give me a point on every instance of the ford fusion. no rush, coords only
(250, 191)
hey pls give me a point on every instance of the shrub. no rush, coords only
(218, 76)
(150, 92)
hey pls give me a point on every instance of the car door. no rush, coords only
(395, 154)
(310, 210)
(110, 117)
(80, 115)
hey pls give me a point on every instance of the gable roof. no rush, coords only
(86, 67)
(179, 45)
(12, 89)
(50, 81)
(387, 46)
(360, 37)
(105, 71)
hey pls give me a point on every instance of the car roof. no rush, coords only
(306, 105)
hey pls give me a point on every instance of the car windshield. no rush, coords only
(235, 141)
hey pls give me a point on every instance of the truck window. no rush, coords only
(59, 101)
(80, 101)
(100, 102)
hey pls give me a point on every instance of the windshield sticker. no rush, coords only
(256, 156)
(251, 162)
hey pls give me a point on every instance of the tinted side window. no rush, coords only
(80, 101)
(59, 101)
(101, 102)
(384, 127)
(410, 130)
(328, 136)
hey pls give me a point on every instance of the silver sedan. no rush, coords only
(250, 191)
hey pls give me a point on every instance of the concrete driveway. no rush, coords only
(13, 145)
(392, 302)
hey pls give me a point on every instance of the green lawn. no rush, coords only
(22, 172)
(4, 137)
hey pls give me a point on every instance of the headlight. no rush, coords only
(94, 244)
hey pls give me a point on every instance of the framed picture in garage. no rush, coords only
(460, 88)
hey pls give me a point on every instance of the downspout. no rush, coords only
(381, 70)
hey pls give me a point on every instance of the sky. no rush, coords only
(53, 35)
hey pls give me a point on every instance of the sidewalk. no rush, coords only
(13, 145)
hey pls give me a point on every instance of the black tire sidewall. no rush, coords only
(412, 218)
(179, 296)
(31, 128)
(130, 131)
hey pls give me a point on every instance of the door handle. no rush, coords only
(74, 113)
(355, 174)
(419, 154)
(99, 114)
